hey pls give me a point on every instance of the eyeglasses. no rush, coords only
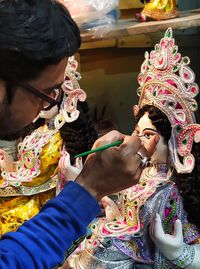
(48, 101)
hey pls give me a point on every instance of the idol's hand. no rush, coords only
(6, 163)
(69, 171)
(111, 210)
(173, 247)
(116, 168)
(170, 245)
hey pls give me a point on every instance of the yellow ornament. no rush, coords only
(49, 161)
(160, 10)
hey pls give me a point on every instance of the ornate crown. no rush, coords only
(168, 83)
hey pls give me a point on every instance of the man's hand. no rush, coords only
(115, 168)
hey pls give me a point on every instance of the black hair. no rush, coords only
(187, 184)
(34, 34)
(80, 135)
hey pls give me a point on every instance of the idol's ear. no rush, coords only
(135, 110)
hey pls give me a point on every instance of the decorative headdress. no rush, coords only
(29, 164)
(72, 94)
(168, 83)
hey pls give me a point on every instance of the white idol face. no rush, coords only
(145, 129)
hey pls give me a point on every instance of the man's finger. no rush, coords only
(130, 145)
(108, 138)
(143, 155)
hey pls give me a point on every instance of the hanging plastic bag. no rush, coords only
(84, 11)
(95, 16)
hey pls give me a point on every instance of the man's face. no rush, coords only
(25, 106)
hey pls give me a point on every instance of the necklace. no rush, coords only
(130, 202)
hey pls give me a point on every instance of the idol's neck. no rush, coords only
(157, 170)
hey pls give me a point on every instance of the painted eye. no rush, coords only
(148, 136)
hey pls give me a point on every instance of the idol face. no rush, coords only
(145, 130)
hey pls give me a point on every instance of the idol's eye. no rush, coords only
(149, 133)
(148, 136)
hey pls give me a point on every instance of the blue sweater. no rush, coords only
(42, 242)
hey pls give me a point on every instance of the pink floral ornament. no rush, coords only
(186, 138)
(72, 94)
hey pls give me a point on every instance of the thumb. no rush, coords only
(158, 230)
(178, 234)
(78, 163)
(105, 201)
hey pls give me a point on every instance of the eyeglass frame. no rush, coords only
(53, 102)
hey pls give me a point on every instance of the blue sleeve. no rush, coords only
(43, 241)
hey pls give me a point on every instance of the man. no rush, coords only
(36, 39)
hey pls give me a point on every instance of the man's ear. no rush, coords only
(2, 90)
(3, 95)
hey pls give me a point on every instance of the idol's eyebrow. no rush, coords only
(150, 129)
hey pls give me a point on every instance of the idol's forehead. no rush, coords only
(145, 123)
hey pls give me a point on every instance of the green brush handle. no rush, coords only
(116, 143)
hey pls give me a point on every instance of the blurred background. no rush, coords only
(110, 67)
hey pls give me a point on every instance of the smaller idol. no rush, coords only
(158, 10)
